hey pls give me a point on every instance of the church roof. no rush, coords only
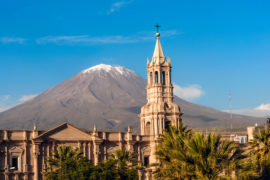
(158, 56)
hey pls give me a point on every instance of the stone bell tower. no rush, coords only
(160, 110)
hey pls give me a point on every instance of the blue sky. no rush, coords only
(216, 47)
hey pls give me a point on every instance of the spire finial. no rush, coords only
(95, 128)
(35, 127)
(129, 130)
(157, 33)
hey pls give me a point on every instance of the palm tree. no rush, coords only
(213, 158)
(67, 164)
(126, 164)
(260, 150)
(182, 155)
(172, 154)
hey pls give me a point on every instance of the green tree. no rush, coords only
(261, 152)
(125, 163)
(183, 155)
(68, 164)
(174, 162)
(213, 158)
(105, 171)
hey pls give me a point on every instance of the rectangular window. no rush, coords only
(14, 165)
(146, 161)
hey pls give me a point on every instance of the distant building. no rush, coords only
(23, 153)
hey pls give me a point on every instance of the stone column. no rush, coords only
(84, 149)
(156, 125)
(16, 176)
(79, 145)
(6, 163)
(120, 141)
(48, 149)
(89, 150)
(142, 126)
(130, 141)
(148, 174)
(36, 155)
(140, 174)
(43, 156)
(96, 152)
(25, 163)
(105, 152)
(139, 149)
(53, 146)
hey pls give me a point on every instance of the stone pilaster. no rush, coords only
(36, 156)
(25, 157)
(6, 163)
(89, 150)
(96, 151)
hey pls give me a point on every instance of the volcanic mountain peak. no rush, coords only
(110, 97)
(109, 68)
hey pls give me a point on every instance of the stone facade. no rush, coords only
(23, 153)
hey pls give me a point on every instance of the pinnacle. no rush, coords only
(158, 56)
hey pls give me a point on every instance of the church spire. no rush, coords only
(158, 56)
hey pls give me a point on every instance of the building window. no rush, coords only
(163, 78)
(156, 77)
(146, 161)
(15, 160)
(167, 124)
(147, 128)
(151, 78)
(14, 163)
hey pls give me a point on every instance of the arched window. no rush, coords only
(156, 77)
(146, 161)
(167, 124)
(163, 77)
(151, 77)
(147, 128)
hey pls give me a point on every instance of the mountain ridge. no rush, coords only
(108, 96)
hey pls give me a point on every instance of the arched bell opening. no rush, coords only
(163, 78)
(147, 128)
(156, 77)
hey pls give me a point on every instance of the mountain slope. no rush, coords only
(111, 98)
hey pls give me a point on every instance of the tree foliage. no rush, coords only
(184, 155)
(181, 153)
(69, 164)
(260, 152)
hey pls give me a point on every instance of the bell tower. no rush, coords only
(160, 110)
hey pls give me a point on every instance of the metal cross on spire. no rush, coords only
(157, 26)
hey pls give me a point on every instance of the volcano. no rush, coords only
(109, 97)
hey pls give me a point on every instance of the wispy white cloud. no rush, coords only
(7, 101)
(189, 93)
(6, 97)
(27, 97)
(7, 40)
(4, 108)
(4, 103)
(91, 40)
(262, 110)
(117, 5)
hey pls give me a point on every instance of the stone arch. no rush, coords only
(147, 128)
(163, 78)
(156, 77)
(146, 155)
